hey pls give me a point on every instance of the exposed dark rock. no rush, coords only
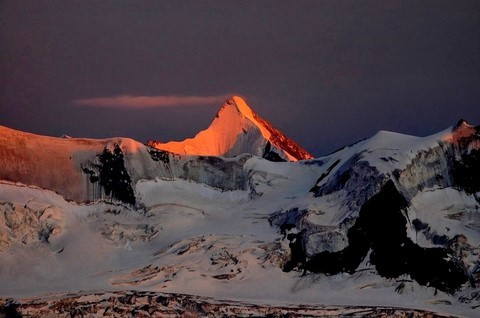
(112, 304)
(438, 167)
(111, 174)
(273, 156)
(10, 309)
(356, 177)
(285, 227)
(474, 296)
(419, 225)
(298, 251)
(315, 189)
(114, 177)
(159, 155)
(270, 155)
(222, 173)
(285, 219)
(440, 239)
(316, 162)
(381, 228)
(466, 171)
(44, 233)
(344, 178)
(92, 173)
(162, 300)
(279, 140)
(224, 276)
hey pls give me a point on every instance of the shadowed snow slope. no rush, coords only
(237, 129)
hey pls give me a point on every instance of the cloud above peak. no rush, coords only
(138, 102)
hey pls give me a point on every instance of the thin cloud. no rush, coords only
(128, 101)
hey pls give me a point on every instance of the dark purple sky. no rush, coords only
(327, 73)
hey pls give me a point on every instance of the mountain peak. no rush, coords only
(462, 130)
(237, 129)
(240, 105)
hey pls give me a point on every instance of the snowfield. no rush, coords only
(211, 243)
(115, 223)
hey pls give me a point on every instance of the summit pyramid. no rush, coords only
(237, 129)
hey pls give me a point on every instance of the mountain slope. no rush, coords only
(85, 170)
(379, 191)
(237, 129)
(390, 221)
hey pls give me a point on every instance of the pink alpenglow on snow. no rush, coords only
(237, 129)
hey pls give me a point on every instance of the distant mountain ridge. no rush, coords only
(237, 129)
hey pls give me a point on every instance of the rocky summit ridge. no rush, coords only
(237, 129)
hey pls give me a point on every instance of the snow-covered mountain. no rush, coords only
(390, 222)
(86, 170)
(237, 129)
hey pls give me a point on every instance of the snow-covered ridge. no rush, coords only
(73, 167)
(211, 225)
(359, 177)
(237, 129)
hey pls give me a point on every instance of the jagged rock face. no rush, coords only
(372, 218)
(111, 173)
(155, 304)
(429, 169)
(216, 172)
(236, 130)
(357, 178)
(466, 171)
(453, 162)
(465, 150)
(282, 142)
(113, 176)
(382, 228)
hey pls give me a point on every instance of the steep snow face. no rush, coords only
(237, 129)
(449, 158)
(89, 169)
(79, 169)
(50, 163)
(356, 178)
(453, 161)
